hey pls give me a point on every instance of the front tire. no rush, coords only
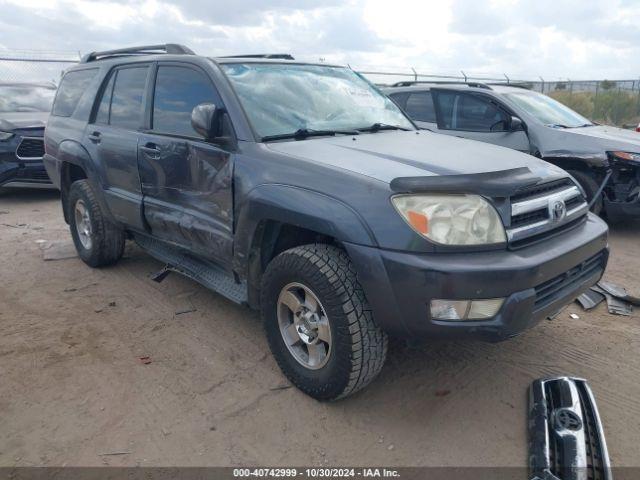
(319, 324)
(98, 241)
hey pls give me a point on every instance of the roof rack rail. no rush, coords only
(524, 85)
(168, 48)
(274, 56)
(408, 83)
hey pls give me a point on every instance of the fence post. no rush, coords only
(415, 74)
(542, 84)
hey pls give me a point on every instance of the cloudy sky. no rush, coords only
(579, 39)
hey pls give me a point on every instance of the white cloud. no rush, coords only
(524, 39)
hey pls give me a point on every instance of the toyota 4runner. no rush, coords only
(301, 190)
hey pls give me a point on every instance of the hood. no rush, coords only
(392, 154)
(10, 121)
(587, 142)
(609, 136)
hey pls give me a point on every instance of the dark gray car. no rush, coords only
(300, 190)
(513, 117)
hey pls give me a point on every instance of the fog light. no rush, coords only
(465, 309)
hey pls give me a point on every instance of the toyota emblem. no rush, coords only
(558, 210)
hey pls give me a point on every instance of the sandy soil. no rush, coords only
(73, 387)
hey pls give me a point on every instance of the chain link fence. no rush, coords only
(35, 66)
(613, 102)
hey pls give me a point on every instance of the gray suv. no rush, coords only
(604, 160)
(300, 190)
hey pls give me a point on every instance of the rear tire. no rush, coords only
(98, 241)
(352, 347)
(590, 187)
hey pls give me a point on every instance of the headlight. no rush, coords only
(452, 219)
(4, 136)
(634, 157)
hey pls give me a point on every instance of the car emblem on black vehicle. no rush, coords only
(568, 420)
(558, 210)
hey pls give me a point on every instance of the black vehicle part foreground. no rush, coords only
(566, 439)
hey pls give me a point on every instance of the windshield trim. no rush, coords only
(257, 138)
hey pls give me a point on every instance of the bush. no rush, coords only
(611, 107)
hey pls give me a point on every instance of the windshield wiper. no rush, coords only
(556, 125)
(376, 127)
(303, 133)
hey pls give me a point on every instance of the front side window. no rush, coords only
(25, 98)
(178, 90)
(420, 107)
(282, 98)
(547, 110)
(71, 89)
(128, 98)
(470, 112)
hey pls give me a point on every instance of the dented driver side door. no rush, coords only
(186, 182)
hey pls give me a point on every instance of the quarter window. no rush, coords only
(178, 90)
(471, 113)
(70, 92)
(127, 100)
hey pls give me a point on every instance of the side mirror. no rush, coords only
(516, 125)
(203, 120)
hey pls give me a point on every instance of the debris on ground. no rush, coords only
(113, 453)
(145, 360)
(442, 393)
(619, 302)
(590, 299)
(280, 387)
(575, 316)
(112, 304)
(58, 250)
(186, 310)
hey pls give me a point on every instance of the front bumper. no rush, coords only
(19, 172)
(536, 281)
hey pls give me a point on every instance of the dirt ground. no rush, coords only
(73, 390)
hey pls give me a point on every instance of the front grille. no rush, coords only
(566, 439)
(548, 187)
(543, 209)
(30, 148)
(556, 288)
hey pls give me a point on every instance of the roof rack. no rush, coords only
(523, 85)
(408, 83)
(168, 48)
(274, 56)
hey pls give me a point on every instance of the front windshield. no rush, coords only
(547, 110)
(23, 98)
(280, 99)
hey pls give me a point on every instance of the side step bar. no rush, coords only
(566, 440)
(203, 272)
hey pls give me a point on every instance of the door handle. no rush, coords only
(95, 137)
(151, 150)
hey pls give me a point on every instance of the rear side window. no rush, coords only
(420, 107)
(178, 91)
(128, 98)
(72, 87)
